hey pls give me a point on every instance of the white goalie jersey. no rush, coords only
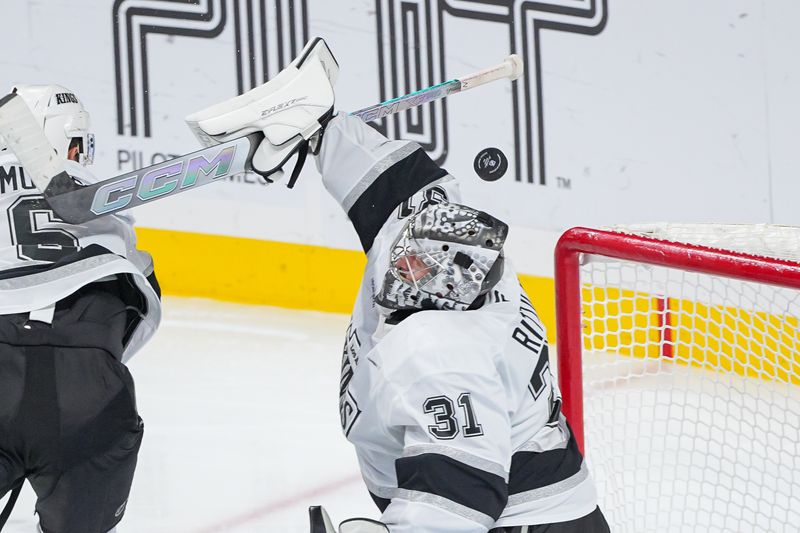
(457, 422)
(43, 259)
(454, 415)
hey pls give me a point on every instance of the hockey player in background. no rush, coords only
(446, 391)
(76, 302)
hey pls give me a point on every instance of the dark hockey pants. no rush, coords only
(68, 420)
(593, 522)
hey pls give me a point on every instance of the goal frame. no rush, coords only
(576, 242)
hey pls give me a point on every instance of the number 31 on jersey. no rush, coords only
(446, 425)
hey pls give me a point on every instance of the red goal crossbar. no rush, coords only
(577, 241)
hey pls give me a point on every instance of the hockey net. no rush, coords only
(679, 363)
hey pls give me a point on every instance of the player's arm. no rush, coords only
(453, 474)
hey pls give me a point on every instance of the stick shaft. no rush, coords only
(77, 204)
(378, 111)
(510, 68)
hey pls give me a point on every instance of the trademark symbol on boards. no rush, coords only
(563, 183)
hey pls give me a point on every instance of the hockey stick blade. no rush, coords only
(24, 136)
(75, 203)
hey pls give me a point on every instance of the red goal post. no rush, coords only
(579, 242)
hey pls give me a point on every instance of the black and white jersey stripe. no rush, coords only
(30, 287)
(454, 480)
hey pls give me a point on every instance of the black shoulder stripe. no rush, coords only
(393, 187)
(533, 470)
(445, 477)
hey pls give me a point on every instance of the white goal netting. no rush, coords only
(692, 388)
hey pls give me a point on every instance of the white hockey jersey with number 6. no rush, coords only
(43, 259)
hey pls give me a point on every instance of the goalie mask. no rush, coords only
(445, 257)
(63, 118)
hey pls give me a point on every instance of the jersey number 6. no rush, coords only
(37, 232)
(443, 410)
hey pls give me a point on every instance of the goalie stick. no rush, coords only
(77, 203)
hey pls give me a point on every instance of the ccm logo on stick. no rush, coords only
(161, 181)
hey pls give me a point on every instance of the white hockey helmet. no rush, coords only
(446, 257)
(62, 117)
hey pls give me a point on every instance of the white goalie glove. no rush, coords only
(321, 523)
(290, 109)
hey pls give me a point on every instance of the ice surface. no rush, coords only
(240, 405)
(242, 433)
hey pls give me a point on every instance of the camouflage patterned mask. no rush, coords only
(445, 257)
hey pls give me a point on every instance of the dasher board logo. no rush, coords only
(420, 22)
(253, 46)
(412, 42)
(259, 56)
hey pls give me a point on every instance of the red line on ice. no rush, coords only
(278, 505)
